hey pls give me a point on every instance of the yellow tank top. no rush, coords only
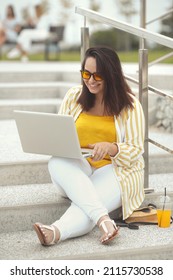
(92, 129)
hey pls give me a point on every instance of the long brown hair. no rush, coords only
(117, 92)
(10, 11)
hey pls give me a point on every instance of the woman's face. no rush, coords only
(95, 87)
(9, 11)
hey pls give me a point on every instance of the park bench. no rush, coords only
(56, 34)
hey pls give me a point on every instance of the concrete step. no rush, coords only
(29, 171)
(147, 243)
(159, 75)
(48, 105)
(19, 82)
(160, 161)
(12, 72)
(153, 101)
(17, 167)
(22, 205)
(34, 90)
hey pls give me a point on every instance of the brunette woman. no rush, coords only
(109, 120)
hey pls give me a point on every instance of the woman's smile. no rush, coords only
(95, 87)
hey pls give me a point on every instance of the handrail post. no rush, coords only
(142, 21)
(143, 98)
(143, 88)
(84, 39)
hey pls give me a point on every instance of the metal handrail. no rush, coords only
(138, 31)
(160, 17)
(161, 93)
(160, 146)
(164, 56)
(150, 88)
(160, 59)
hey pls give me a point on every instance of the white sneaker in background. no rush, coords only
(14, 53)
(24, 58)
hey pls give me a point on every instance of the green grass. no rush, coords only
(131, 56)
(63, 56)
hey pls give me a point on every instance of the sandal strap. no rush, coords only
(54, 234)
(52, 228)
(102, 224)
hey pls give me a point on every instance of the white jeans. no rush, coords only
(26, 37)
(93, 193)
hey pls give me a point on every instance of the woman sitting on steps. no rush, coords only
(109, 120)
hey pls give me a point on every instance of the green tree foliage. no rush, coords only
(26, 16)
(127, 8)
(113, 38)
(64, 7)
(167, 26)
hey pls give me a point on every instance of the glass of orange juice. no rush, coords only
(164, 212)
(164, 217)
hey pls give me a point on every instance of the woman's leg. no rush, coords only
(74, 177)
(28, 35)
(24, 42)
(2, 36)
(107, 186)
(75, 221)
(109, 192)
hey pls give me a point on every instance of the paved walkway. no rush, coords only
(158, 69)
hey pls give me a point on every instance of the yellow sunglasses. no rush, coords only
(86, 75)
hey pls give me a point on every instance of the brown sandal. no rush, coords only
(39, 229)
(109, 236)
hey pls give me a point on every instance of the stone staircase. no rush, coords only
(27, 194)
(34, 87)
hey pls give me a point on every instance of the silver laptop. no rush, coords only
(49, 134)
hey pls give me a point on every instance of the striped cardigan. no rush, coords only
(128, 163)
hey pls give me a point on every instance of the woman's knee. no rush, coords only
(57, 163)
(52, 163)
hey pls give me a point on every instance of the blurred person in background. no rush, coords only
(2, 34)
(9, 27)
(39, 31)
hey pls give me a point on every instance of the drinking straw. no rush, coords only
(163, 206)
(164, 201)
